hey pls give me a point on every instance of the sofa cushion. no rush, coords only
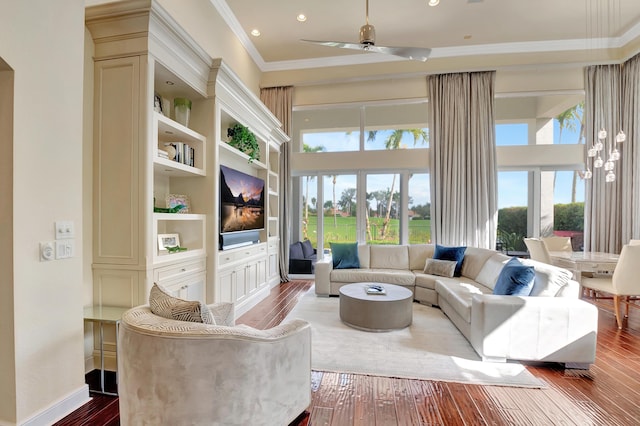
(307, 249)
(165, 305)
(458, 293)
(389, 276)
(363, 255)
(418, 255)
(474, 260)
(515, 279)
(295, 251)
(451, 253)
(426, 280)
(550, 280)
(389, 257)
(488, 275)
(344, 255)
(442, 268)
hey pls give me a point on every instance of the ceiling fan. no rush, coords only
(368, 40)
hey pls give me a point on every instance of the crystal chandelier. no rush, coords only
(595, 153)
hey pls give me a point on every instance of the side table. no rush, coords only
(102, 315)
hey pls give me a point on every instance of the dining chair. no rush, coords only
(556, 243)
(537, 250)
(623, 283)
(634, 242)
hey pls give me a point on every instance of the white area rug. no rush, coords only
(431, 348)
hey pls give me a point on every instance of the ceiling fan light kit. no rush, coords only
(368, 44)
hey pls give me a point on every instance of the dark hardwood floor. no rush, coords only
(607, 394)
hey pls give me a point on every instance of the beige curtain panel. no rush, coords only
(279, 100)
(463, 172)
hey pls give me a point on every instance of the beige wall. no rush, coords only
(209, 30)
(44, 47)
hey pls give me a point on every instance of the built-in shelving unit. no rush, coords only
(143, 61)
(247, 273)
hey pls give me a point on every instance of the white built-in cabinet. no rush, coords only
(141, 52)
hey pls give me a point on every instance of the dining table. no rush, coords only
(585, 262)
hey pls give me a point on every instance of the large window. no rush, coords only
(513, 201)
(329, 130)
(419, 212)
(383, 202)
(370, 195)
(339, 208)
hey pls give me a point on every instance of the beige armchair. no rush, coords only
(555, 243)
(623, 283)
(537, 250)
(176, 372)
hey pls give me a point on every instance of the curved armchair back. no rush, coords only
(625, 275)
(555, 243)
(537, 250)
(174, 372)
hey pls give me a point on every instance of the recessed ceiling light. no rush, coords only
(301, 17)
(255, 32)
(433, 2)
(169, 83)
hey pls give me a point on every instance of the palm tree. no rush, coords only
(568, 120)
(393, 141)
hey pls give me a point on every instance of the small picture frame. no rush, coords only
(174, 200)
(157, 103)
(168, 240)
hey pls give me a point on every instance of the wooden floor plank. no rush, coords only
(606, 394)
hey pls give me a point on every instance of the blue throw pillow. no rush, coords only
(345, 255)
(451, 253)
(515, 279)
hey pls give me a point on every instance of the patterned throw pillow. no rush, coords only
(442, 268)
(165, 305)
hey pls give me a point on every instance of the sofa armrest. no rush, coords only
(555, 329)
(323, 276)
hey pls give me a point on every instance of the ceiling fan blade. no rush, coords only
(341, 44)
(414, 53)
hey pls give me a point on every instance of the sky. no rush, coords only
(511, 185)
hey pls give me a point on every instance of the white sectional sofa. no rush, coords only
(551, 324)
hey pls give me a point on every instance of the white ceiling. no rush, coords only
(454, 28)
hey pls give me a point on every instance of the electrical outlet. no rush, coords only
(64, 229)
(47, 251)
(65, 249)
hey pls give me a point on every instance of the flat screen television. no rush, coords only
(241, 201)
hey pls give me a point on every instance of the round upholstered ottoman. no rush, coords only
(391, 310)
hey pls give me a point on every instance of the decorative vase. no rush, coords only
(182, 109)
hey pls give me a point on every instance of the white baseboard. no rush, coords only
(58, 410)
(249, 303)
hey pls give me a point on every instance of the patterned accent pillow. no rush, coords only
(442, 268)
(165, 305)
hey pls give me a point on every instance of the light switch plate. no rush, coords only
(65, 249)
(64, 229)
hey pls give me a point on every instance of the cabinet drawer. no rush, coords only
(240, 254)
(176, 271)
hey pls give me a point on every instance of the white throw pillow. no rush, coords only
(442, 268)
(165, 305)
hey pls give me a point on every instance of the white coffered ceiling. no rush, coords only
(565, 30)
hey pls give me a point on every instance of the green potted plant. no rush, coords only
(244, 140)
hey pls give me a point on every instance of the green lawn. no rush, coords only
(344, 230)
